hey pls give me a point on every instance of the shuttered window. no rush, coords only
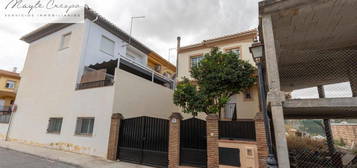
(107, 46)
(54, 125)
(84, 126)
(65, 41)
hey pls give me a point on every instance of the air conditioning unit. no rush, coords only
(157, 68)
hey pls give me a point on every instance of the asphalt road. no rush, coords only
(14, 159)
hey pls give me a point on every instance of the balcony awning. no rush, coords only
(132, 68)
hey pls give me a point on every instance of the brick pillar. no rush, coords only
(114, 136)
(174, 140)
(212, 141)
(261, 140)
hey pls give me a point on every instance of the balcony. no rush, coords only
(93, 78)
(102, 74)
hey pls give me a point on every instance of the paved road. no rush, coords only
(14, 159)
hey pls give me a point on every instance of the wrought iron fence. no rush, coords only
(237, 130)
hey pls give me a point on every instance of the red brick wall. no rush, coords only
(348, 133)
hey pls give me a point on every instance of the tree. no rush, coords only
(218, 76)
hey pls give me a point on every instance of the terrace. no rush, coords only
(102, 74)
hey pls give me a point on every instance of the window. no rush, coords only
(84, 126)
(54, 125)
(10, 84)
(107, 46)
(4, 118)
(65, 41)
(234, 50)
(247, 94)
(229, 111)
(195, 60)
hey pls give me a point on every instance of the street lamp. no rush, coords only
(257, 52)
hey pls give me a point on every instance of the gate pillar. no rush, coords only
(212, 141)
(114, 136)
(174, 140)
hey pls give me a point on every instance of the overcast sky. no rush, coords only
(193, 20)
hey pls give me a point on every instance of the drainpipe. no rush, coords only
(10, 122)
(177, 53)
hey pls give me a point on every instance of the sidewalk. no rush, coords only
(84, 161)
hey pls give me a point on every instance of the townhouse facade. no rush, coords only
(9, 82)
(245, 104)
(77, 76)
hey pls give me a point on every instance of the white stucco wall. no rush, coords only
(47, 89)
(135, 96)
(3, 129)
(245, 109)
(93, 53)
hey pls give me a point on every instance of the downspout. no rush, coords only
(177, 54)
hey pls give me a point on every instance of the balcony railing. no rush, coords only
(5, 109)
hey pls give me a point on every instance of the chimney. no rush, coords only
(177, 49)
(14, 69)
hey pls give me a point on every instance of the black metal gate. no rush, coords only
(144, 140)
(193, 143)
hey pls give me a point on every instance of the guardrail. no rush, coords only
(153, 72)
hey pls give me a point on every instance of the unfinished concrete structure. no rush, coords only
(308, 44)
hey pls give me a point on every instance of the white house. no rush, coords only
(75, 77)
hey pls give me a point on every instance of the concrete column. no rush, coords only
(114, 136)
(275, 96)
(174, 140)
(212, 141)
(261, 140)
(353, 80)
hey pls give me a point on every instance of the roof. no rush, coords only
(99, 20)
(211, 42)
(9, 74)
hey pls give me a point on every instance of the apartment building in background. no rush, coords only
(9, 82)
(245, 104)
(76, 76)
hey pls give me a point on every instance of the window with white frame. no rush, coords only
(65, 41)
(195, 60)
(84, 126)
(10, 84)
(107, 46)
(235, 51)
(54, 125)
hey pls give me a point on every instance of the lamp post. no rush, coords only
(257, 52)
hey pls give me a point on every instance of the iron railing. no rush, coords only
(237, 130)
(5, 109)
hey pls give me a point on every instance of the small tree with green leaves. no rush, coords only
(218, 76)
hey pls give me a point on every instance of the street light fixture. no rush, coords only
(257, 52)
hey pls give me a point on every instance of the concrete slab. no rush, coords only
(328, 108)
